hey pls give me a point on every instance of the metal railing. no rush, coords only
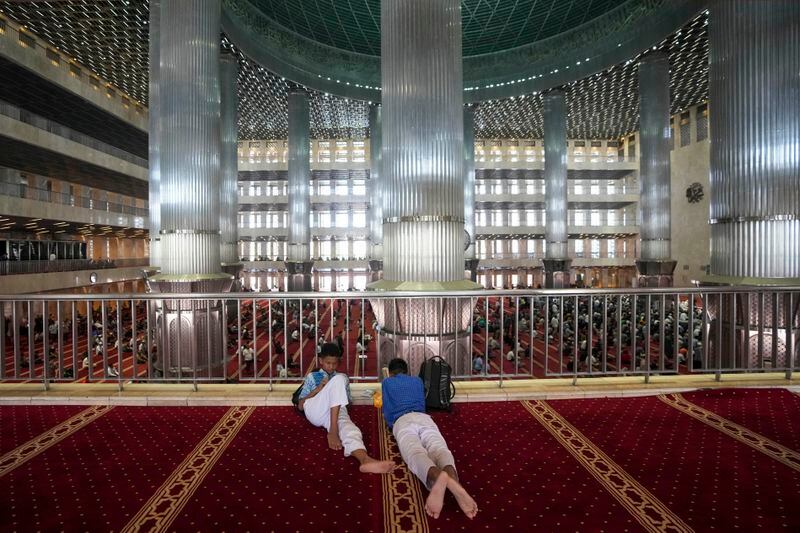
(492, 335)
(42, 123)
(43, 266)
(21, 190)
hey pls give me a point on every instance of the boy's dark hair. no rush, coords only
(330, 349)
(398, 366)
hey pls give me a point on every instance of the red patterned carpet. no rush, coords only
(709, 460)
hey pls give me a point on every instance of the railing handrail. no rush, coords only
(15, 190)
(353, 295)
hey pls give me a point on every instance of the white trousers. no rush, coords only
(318, 412)
(421, 445)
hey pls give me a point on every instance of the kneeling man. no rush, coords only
(421, 445)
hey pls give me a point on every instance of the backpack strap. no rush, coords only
(428, 372)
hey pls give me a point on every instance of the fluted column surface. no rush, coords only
(423, 138)
(190, 141)
(654, 165)
(299, 175)
(154, 134)
(555, 174)
(229, 206)
(469, 179)
(375, 183)
(755, 138)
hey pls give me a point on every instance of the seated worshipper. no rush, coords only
(421, 445)
(324, 399)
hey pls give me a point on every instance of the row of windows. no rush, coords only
(538, 217)
(536, 248)
(358, 187)
(318, 219)
(326, 152)
(357, 249)
(494, 218)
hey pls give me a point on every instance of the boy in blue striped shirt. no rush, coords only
(324, 399)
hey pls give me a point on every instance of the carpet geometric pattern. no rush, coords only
(699, 461)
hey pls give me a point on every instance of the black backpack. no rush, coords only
(439, 389)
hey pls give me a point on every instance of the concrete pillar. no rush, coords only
(655, 268)
(189, 100)
(298, 263)
(229, 203)
(556, 262)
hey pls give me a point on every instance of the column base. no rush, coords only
(734, 318)
(416, 349)
(556, 273)
(471, 265)
(654, 273)
(190, 334)
(299, 276)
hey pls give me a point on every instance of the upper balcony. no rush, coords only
(36, 75)
(66, 213)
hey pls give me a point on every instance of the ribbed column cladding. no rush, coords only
(755, 138)
(555, 174)
(423, 136)
(190, 137)
(229, 206)
(299, 175)
(154, 134)
(654, 131)
(469, 179)
(375, 184)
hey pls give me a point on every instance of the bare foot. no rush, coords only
(435, 500)
(334, 442)
(373, 466)
(464, 500)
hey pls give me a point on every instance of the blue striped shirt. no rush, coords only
(313, 379)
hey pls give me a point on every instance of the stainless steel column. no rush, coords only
(299, 263)
(229, 204)
(655, 266)
(190, 137)
(190, 189)
(754, 93)
(471, 263)
(755, 134)
(556, 262)
(154, 134)
(375, 192)
(423, 176)
(423, 138)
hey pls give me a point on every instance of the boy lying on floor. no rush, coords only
(421, 445)
(324, 399)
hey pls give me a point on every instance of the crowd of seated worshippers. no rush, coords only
(531, 325)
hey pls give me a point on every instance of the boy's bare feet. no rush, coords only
(334, 442)
(464, 500)
(435, 500)
(373, 466)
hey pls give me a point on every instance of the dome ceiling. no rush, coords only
(111, 38)
(488, 25)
